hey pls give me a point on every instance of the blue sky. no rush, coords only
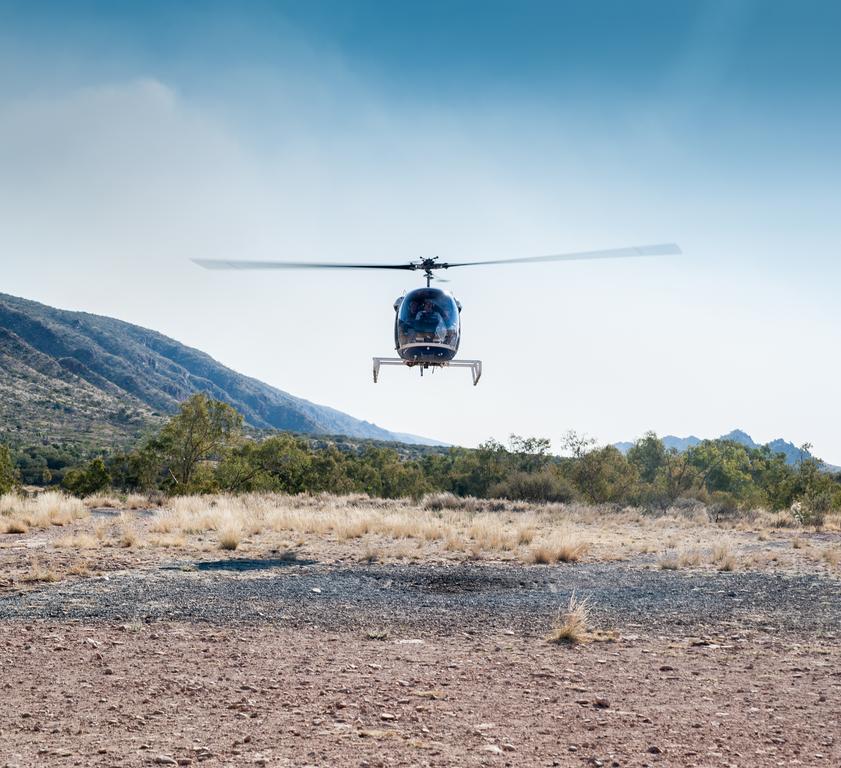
(135, 136)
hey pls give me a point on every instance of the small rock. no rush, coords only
(316, 590)
(601, 703)
(165, 760)
(387, 716)
(654, 750)
(509, 747)
(492, 748)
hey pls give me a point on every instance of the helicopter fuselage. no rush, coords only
(427, 326)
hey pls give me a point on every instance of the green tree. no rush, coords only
(203, 429)
(93, 478)
(280, 463)
(8, 471)
(530, 454)
(604, 475)
(647, 455)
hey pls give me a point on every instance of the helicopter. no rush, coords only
(427, 320)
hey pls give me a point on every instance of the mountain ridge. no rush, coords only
(792, 452)
(77, 373)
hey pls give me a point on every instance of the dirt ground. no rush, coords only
(181, 694)
(120, 649)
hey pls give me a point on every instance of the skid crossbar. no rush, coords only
(474, 365)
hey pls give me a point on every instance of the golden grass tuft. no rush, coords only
(129, 537)
(40, 573)
(80, 568)
(14, 526)
(230, 536)
(573, 624)
(79, 541)
(102, 501)
(558, 548)
(41, 511)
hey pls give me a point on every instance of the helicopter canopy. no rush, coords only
(428, 315)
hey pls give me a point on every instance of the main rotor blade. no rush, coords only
(661, 249)
(226, 264)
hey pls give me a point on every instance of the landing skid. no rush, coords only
(474, 365)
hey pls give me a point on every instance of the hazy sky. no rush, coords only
(136, 136)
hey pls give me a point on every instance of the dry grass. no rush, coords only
(129, 537)
(561, 547)
(573, 624)
(80, 568)
(230, 536)
(668, 562)
(831, 556)
(102, 501)
(690, 558)
(40, 573)
(19, 514)
(78, 541)
(15, 526)
(442, 527)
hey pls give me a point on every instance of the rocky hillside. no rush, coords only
(81, 377)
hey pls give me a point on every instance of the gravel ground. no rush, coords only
(153, 657)
(441, 599)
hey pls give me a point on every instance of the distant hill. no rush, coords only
(79, 377)
(792, 452)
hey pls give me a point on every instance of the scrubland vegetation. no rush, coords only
(202, 450)
(437, 528)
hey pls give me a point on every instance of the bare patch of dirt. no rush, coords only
(182, 694)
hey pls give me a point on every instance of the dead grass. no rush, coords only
(558, 548)
(78, 541)
(230, 536)
(129, 537)
(51, 508)
(690, 558)
(442, 527)
(668, 562)
(831, 556)
(40, 573)
(103, 501)
(15, 526)
(573, 624)
(80, 568)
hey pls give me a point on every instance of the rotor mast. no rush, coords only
(427, 265)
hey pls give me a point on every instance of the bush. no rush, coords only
(94, 478)
(8, 473)
(545, 485)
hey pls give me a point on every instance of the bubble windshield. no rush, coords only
(427, 315)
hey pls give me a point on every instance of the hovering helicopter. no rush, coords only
(427, 322)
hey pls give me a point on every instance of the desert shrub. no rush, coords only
(545, 485)
(92, 479)
(722, 505)
(8, 472)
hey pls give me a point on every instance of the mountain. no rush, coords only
(792, 452)
(78, 377)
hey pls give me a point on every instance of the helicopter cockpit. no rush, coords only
(427, 316)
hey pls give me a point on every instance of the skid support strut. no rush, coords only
(475, 366)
